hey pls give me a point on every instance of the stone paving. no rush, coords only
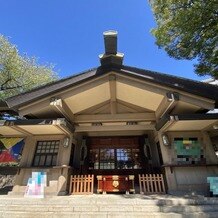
(109, 206)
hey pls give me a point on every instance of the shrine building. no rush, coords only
(115, 122)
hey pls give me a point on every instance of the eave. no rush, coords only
(192, 87)
(204, 122)
(24, 128)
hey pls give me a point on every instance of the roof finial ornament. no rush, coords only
(111, 56)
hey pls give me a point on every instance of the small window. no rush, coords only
(46, 153)
(107, 159)
(124, 159)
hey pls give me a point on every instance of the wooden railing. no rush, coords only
(81, 184)
(151, 184)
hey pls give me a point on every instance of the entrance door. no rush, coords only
(116, 156)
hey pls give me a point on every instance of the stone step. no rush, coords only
(84, 200)
(106, 215)
(107, 208)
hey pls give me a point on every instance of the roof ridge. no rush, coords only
(174, 76)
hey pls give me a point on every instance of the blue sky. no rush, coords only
(68, 33)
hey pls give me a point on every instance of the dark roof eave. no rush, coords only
(4, 108)
(184, 117)
(59, 121)
(3, 105)
(212, 116)
(197, 88)
(42, 92)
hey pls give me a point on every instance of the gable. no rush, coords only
(192, 87)
(113, 91)
(140, 97)
(88, 98)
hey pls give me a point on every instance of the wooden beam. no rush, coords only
(113, 107)
(209, 127)
(64, 129)
(125, 109)
(167, 126)
(105, 107)
(206, 104)
(95, 108)
(19, 129)
(112, 85)
(67, 111)
(114, 128)
(33, 108)
(114, 117)
(61, 107)
(164, 123)
(167, 104)
(134, 107)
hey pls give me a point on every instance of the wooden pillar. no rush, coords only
(167, 159)
(28, 151)
(210, 155)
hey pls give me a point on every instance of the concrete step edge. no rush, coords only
(133, 212)
(116, 208)
(94, 204)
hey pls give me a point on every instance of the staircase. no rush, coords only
(103, 206)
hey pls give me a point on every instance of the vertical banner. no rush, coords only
(36, 185)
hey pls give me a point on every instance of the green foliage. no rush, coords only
(187, 29)
(19, 73)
